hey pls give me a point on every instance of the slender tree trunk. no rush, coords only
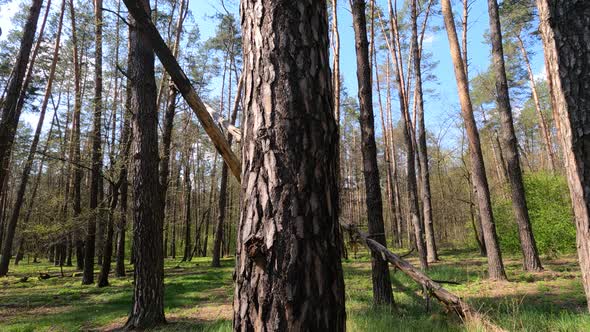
(565, 30)
(187, 208)
(223, 190)
(474, 208)
(95, 216)
(336, 85)
(387, 157)
(20, 196)
(75, 142)
(495, 264)
(412, 190)
(10, 113)
(542, 121)
(431, 251)
(148, 295)
(103, 278)
(218, 228)
(170, 110)
(120, 264)
(527, 240)
(382, 293)
(289, 219)
(209, 208)
(126, 139)
(393, 162)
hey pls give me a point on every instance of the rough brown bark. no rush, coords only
(382, 293)
(10, 113)
(495, 264)
(20, 196)
(565, 30)
(528, 245)
(148, 295)
(289, 219)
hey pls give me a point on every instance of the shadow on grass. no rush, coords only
(62, 304)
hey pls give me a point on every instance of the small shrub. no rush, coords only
(550, 213)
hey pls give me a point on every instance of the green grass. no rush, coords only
(198, 298)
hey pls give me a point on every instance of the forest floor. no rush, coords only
(199, 298)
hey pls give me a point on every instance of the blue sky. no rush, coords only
(439, 108)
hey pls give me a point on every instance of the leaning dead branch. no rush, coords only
(452, 302)
(144, 22)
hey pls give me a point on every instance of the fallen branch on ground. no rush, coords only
(452, 302)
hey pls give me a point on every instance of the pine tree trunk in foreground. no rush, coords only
(510, 146)
(148, 294)
(495, 264)
(565, 30)
(10, 115)
(288, 270)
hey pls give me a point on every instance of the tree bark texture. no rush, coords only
(288, 271)
(565, 30)
(382, 293)
(148, 294)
